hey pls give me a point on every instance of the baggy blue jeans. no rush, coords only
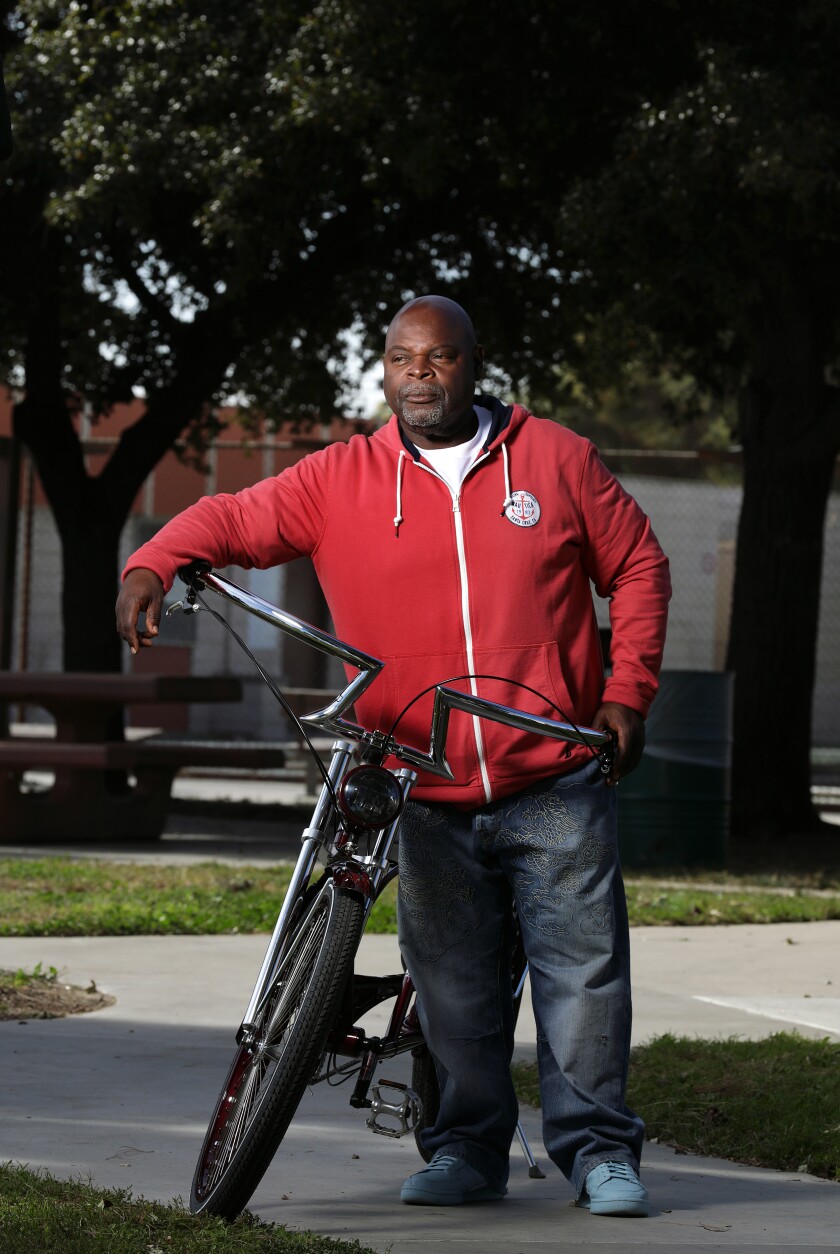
(552, 850)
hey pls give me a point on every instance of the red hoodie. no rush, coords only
(494, 581)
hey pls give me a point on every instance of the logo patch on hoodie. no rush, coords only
(524, 510)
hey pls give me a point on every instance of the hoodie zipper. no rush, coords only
(465, 617)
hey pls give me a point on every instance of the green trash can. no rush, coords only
(673, 810)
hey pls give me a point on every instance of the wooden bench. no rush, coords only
(157, 753)
(106, 788)
(110, 789)
(30, 753)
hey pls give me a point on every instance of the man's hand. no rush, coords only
(141, 592)
(629, 730)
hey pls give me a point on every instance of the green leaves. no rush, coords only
(302, 168)
(21, 977)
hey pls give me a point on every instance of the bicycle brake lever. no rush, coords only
(179, 605)
(189, 604)
(606, 757)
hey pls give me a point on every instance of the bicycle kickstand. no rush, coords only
(533, 1166)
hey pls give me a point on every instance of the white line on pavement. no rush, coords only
(821, 1013)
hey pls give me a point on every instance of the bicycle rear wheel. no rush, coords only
(268, 1076)
(424, 1081)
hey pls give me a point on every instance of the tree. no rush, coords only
(204, 199)
(710, 240)
(111, 280)
(685, 216)
(5, 121)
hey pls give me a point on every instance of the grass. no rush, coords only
(769, 1103)
(12, 981)
(63, 897)
(743, 873)
(659, 904)
(21, 977)
(41, 1214)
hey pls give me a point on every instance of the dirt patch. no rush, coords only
(44, 998)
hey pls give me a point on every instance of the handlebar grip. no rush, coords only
(192, 573)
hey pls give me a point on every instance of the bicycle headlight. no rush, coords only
(369, 796)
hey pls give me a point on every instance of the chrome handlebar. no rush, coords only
(330, 719)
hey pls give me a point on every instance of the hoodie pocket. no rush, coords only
(409, 697)
(529, 679)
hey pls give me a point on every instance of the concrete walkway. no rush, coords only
(123, 1096)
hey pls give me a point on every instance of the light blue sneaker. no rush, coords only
(448, 1181)
(614, 1189)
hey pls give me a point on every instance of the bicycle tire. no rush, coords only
(424, 1081)
(268, 1078)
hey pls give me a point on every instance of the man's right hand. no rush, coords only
(142, 592)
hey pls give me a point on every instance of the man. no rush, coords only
(501, 521)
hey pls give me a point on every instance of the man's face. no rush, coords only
(431, 361)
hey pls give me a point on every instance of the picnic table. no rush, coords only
(106, 787)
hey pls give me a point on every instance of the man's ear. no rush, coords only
(478, 362)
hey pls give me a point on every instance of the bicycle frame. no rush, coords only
(364, 873)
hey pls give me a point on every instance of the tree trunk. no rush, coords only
(90, 511)
(791, 435)
(90, 547)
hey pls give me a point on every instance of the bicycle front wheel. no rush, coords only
(269, 1075)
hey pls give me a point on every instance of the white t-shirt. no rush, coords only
(453, 463)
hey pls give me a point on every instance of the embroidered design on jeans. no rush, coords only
(435, 895)
(550, 886)
(544, 820)
(598, 917)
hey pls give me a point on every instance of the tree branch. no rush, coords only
(149, 299)
(205, 350)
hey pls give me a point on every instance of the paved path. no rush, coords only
(123, 1096)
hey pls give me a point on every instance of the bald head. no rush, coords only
(431, 364)
(450, 308)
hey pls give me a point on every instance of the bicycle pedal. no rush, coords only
(406, 1109)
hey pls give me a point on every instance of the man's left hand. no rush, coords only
(628, 728)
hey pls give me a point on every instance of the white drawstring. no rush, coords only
(398, 518)
(508, 501)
